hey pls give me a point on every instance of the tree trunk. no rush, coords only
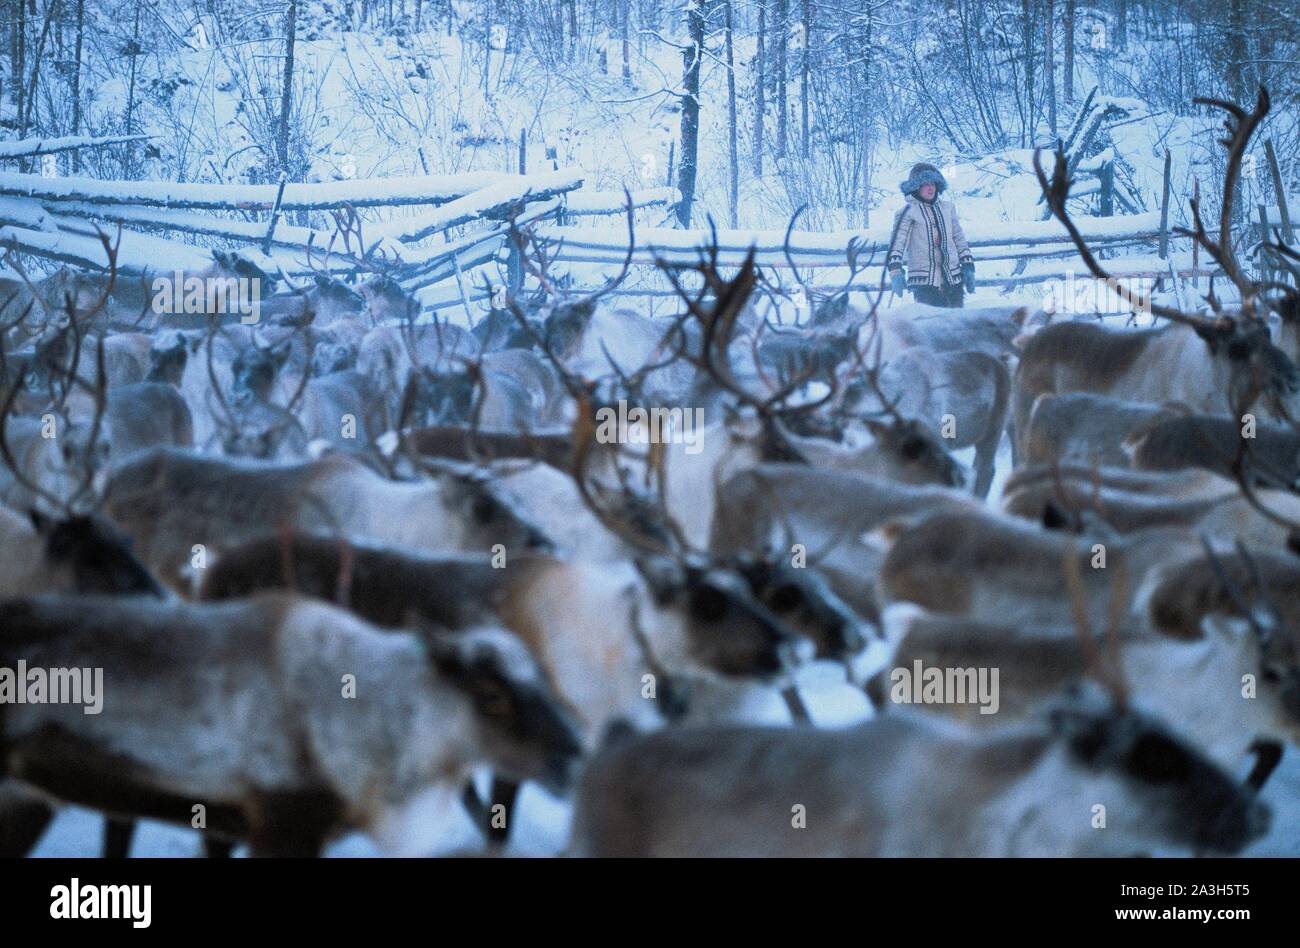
(1026, 7)
(760, 84)
(803, 79)
(19, 65)
(691, 57)
(1049, 55)
(76, 81)
(1121, 24)
(865, 146)
(286, 90)
(573, 28)
(135, 55)
(1067, 81)
(733, 155)
(627, 45)
(780, 38)
(1235, 64)
(25, 120)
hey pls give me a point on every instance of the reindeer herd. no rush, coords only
(337, 563)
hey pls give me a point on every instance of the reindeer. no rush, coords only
(386, 587)
(1126, 501)
(1083, 428)
(831, 515)
(984, 567)
(169, 501)
(1270, 455)
(257, 426)
(962, 396)
(906, 785)
(1220, 364)
(433, 707)
(1180, 676)
(1197, 683)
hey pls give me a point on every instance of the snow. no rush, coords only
(359, 193)
(26, 147)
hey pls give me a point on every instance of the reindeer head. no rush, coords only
(336, 300)
(96, 554)
(488, 514)
(1274, 642)
(520, 725)
(331, 357)
(804, 601)
(1174, 793)
(911, 453)
(439, 397)
(253, 372)
(228, 264)
(705, 611)
(386, 301)
(168, 354)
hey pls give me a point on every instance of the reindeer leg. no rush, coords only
(984, 464)
(214, 848)
(1268, 754)
(474, 806)
(795, 704)
(294, 824)
(117, 837)
(23, 820)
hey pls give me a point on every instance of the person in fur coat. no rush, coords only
(928, 253)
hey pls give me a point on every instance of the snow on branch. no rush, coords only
(26, 147)
(494, 202)
(137, 253)
(373, 192)
(603, 245)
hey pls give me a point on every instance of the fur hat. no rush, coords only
(923, 173)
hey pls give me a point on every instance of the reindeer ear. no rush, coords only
(444, 651)
(662, 574)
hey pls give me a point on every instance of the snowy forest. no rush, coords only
(649, 428)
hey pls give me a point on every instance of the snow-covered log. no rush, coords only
(494, 202)
(607, 245)
(137, 253)
(372, 192)
(27, 147)
(426, 267)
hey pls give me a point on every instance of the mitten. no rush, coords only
(968, 276)
(898, 281)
